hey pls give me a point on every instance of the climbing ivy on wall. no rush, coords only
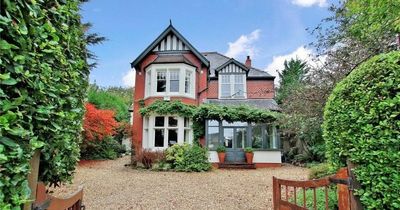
(43, 78)
(205, 112)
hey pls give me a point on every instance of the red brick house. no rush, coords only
(170, 68)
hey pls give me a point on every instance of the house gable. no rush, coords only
(169, 41)
(232, 66)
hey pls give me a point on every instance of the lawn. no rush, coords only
(111, 185)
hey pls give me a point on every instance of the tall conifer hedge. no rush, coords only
(43, 78)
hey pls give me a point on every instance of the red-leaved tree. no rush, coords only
(98, 123)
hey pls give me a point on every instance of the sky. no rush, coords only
(270, 31)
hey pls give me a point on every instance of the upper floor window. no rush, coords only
(170, 80)
(232, 86)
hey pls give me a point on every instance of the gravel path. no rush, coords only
(110, 185)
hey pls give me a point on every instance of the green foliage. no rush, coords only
(320, 198)
(362, 125)
(291, 78)
(188, 158)
(221, 148)
(373, 18)
(168, 108)
(234, 113)
(108, 148)
(320, 170)
(116, 99)
(43, 81)
(208, 111)
(248, 150)
(301, 120)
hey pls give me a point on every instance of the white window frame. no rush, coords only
(151, 82)
(232, 86)
(148, 141)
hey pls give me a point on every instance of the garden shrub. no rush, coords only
(320, 170)
(362, 125)
(98, 123)
(187, 157)
(43, 83)
(148, 158)
(107, 148)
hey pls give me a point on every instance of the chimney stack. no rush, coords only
(248, 62)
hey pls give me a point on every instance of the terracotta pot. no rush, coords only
(249, 157)
(221, 157)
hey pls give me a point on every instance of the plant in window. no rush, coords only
(249, 154)
(221, 153)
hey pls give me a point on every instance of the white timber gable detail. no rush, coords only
(232, 68)
(170, 43)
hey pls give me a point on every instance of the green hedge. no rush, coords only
(43, 77)
(362, 124)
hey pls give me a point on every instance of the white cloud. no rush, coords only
(302, 53)
(129, 78)
(244, 45)
(309, 3)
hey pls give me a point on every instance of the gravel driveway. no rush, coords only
(110, 185)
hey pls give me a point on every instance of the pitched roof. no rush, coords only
(269, 104)
(172, 58)
(217, 60)
(167, 31)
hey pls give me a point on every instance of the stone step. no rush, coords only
(236, 165)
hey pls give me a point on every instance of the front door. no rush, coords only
(234, 139)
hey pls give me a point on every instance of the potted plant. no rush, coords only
(221, 153)
(249, 154)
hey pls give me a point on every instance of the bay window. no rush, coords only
(170, 80)
(161, 132)
(232, 86)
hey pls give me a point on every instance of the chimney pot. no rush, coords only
(248, 62)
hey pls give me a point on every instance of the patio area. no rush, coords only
(111, 185)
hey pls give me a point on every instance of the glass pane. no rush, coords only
(225, 79)
(228, 137)
(256, 138)
(172, 121)
(237, 123)
(213, 123)
(159, 121)
(172, 136)
(174, 81)
(187, 81)
(239, 78)
(225, 90)
(213, 137)
(159, 137)
(240, 137)
(186, 123)
(238, 90)
(186, 136)
(273, 136)
(161, 81)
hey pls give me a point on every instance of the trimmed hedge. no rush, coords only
(44, 78)
(362, 124)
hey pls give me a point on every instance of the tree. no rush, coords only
(92, 39)
(343, 41)
(98, 124)
(117, 99)
(291, 78)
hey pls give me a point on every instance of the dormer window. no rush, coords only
(232, 86)
(170, 80)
